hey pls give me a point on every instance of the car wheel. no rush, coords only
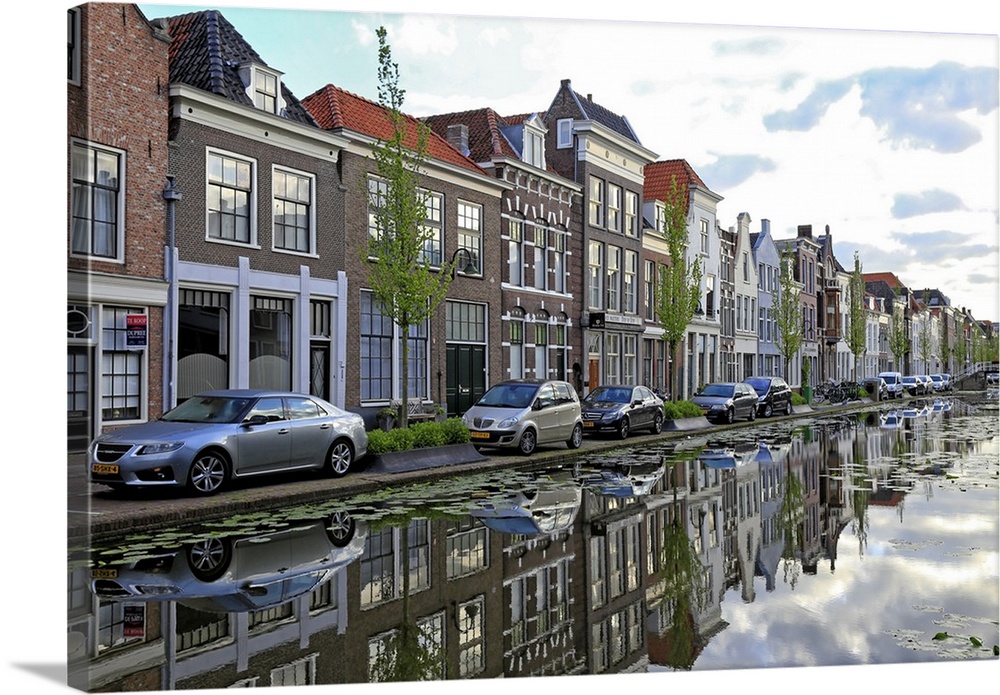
(340, 529)
(623, 427)
(209, 472)
(657, 424)
(528, 442)
(768, 410)
(788, 407)
(209, 558)
(339, 458)
(753, 414)
(575, 440)
(730, 416)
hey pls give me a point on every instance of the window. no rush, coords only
(202, 342)
(629, 361)
(121, 368)
(472, 653)
(558, 260)
(660, 218)
(614, 208)
(630, 280)
(230, 192)
(649, 289)
(377, 192)
(614, 279)
(470, 231)
(534, 147)
(271, 343)
(265, 91)
(596, 202)
(293, 211)
(98, 201)
(631, 214)
(515, 252)
(466, 548)
(73, 45)
(595, 264)
(300, 672)
(380, 355)
(704, 236)
(564, 132)
(516, 324)
(541, 256)
(432, 229)
(746, 267)
(612, 360)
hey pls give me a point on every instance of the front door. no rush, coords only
(466, 377)
(319, 372)
(78, 398)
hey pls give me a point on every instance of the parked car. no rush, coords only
(928, 384)
(893, 384)
(914, 386)
(621, 410)
(937, 381)
(216, 436)
(773, 395)
(992, 380)
(524, 413)
(727, 401)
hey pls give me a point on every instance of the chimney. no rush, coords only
(805, 230)
(590, 97)
(458, 137)
(765, 226)
(564, 83)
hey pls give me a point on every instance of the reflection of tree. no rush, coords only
(682, 578)
(410, 652)
(860, 496)
(789, 520)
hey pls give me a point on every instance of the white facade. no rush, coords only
(745, 295)
(704, 331)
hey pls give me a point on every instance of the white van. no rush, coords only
(893, 384)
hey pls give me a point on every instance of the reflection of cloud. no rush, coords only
(913, 107)
(733, 169)
(937, 200)
(760, 46)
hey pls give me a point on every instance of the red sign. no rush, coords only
(133, 620)
(136, 331)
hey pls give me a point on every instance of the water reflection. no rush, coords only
(693, 554)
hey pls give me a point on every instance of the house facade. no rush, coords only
(598, 149)
(116, 288)
(767, 259)
(746, 298)
(805, 249)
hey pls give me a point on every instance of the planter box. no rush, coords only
(419, 459)
(686, 423)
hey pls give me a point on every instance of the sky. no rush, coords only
(866, 116)
(890, 138)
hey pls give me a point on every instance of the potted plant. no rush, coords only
(386, 418)
(439, 414)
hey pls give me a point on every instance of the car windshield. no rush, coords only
(759, 385)
(208, 409)
(609, 395)
(509, 396)
(717, 390)
(889, 378)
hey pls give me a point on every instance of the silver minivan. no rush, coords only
(893, 384)
(525, 413)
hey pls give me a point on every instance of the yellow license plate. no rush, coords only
(103, 574)
(479, 435)
(105, 468)
(588, 424)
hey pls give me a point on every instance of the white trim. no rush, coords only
(251, 203)
(563, 143)
(313, 252)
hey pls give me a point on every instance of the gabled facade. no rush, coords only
(727, 305)
(597, 149)
(540, 250)
(116, 236)
(805, 251)
(767, 258)
(700, 363)
(455, 355)
(833, 301)
(745, 299)
(897, 302)
(258, 230)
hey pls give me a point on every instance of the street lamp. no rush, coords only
(467, 265)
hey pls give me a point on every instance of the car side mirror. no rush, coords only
(254, 421)
(637, 401)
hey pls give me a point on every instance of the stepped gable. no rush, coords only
(334, 109)
(206, 52)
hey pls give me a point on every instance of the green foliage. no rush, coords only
(455, 431)
(418, 435)
(677, 410)
(428, 434)
(788, 312)
(798, 399)
(378, 442)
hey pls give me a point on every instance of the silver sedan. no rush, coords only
(217, 436)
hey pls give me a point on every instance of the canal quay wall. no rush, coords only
(94, 511)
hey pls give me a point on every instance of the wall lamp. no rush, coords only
(464, 262)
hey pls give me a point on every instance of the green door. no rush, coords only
(466, 377)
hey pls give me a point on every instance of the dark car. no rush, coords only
(727, 401)
(773, 395)
(914, 386)
(621, 409)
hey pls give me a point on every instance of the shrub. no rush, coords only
(428, 434)
(401, 439)
(798, 399)
(378, 442)
(418, 435)
(677, 410)
(455, 431)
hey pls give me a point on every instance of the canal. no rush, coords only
(852, 539)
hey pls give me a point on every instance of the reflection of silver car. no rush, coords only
(549, 508)
(623, 481)
(524, 413)
(241, 574)
(218, 435)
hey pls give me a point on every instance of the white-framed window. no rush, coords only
(263, 86)
(98, 201)
(534, 146)
(378, 189)
(596, 207)
(73, 45)
(629, 360)
(470, 231)
(381, 350)
(515, 251)
(515, 326)
(614, 278)
(433, 227)
(294, 219)
(558, 259)
(612, 358)
(122, 375)
(704, 235)
(230, 208)
(649, 289)
(564, 132)
(595, 267)
(471, 637)
(630, 279)
(614, 208)
(541, 254)
(660, 217)
(631, 214)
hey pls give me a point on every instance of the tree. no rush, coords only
(788, 313)
(899, 342)
(407, 285)
(678, 290)
(857, 315)
(924, 337)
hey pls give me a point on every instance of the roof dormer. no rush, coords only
(263, 85)
(533, 148)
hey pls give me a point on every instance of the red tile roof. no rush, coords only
(658, 176)
(486, 140)
(337, 109)
(888, 278)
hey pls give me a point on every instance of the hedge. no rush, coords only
(418, 436)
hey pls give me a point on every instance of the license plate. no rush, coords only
(479, 435)
(588, 424)
(103, 574)
(111, 468)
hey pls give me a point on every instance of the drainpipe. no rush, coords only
(171, 195)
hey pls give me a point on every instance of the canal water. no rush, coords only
(858, 539)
